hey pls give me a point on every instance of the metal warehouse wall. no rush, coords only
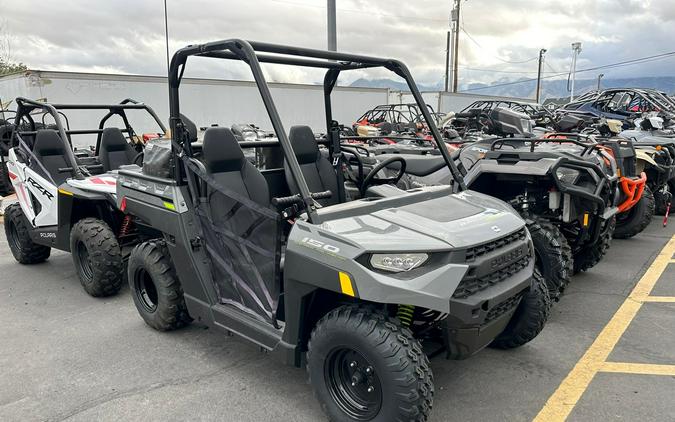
(205, 101)
(447, 101)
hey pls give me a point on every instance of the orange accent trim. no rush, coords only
(632, 189)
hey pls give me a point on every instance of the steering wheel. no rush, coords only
(370, 179)
(138, 156)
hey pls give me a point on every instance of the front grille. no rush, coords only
(476, 251)
(471, 285)
(502, 308)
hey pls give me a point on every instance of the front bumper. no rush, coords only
(631, 188)
(474, 321)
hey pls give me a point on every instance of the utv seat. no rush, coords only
(115, 151)
(51, 153)
(317, 170)
(225, 162)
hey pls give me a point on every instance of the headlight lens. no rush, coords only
(398, 262)
(567, 175)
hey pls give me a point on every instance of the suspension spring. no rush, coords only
(126, 225)
(405, 314)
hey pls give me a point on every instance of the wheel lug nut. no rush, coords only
(352, 364)
(371, 389)
(369, 370)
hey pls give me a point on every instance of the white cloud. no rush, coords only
(128, 35)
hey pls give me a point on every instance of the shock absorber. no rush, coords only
(405, 314)
(125, 227)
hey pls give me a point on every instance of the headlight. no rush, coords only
(567, 175)
(398, 262)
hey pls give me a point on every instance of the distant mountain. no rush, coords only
(550, 88)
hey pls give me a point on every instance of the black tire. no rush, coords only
(5, 185)
(636, 219)
(553, 255)
(97, 257)
(23, 248)
(588, 256)
(156, 290)
(401, 376)
(529, 318)
(663, 198)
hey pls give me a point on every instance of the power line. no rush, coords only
(498, 58)
(607, 66)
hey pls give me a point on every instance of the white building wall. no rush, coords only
(205, 101)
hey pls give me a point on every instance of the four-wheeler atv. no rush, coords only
(565, 189)
(656, 157)
(359, 291)
(66, 197)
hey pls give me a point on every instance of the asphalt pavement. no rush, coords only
(67, 356)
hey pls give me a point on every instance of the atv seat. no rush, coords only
(317, 170)
(115, 151)
(49, 149)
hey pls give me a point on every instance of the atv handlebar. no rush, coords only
(285, 201)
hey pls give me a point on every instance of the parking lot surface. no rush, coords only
(67, 356)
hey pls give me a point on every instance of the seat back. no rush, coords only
(225, 162)
(115, 151)
(50, 152)
(317, 170)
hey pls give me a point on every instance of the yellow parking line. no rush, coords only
(637, 368)
(657, 299)
(563, 400)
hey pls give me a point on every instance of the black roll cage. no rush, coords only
(253, 53)
(26, 107)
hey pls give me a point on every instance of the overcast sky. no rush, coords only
(127, 36)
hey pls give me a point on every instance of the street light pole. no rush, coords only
(576, 49)
(599, 79)
(447, 61)
(332, 26)
(541, 63)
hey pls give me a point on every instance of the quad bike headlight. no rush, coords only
(397, 263)
(568, 175)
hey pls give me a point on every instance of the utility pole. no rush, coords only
(599, 79)
(332, 27)
(454, 17)
(576, 49)
(447, 61)
(541, 63)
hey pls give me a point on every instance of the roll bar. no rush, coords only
(253, 53)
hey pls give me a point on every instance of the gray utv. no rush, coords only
(360, 290)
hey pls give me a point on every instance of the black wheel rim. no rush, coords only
(13, 236)
(353, 384)
(145, 290)
(83, 261)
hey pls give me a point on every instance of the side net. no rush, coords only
(243, 241)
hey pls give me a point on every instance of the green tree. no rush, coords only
(7, 67)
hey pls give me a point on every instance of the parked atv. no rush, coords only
(66, 197)
(656, 153)
(565, 189)
(361, 291)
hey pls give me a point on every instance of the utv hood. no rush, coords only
(453, 221)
